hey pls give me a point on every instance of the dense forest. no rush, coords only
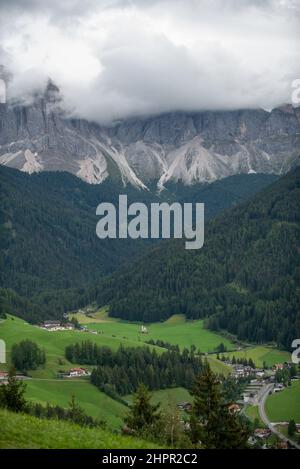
(49, 251)
(123, 370)
(50, 258)
(245, 279)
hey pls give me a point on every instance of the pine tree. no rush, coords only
(12, 394)
(142, 415)
(76, 413)
(212, 425)
(292, 428)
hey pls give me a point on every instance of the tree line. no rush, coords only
(123, 370)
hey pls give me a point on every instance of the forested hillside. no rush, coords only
(245, 279)
(48, 241)
(50, 257)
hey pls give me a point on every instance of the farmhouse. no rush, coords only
(278, 366)
(77, 372)
(51, 325)
(262, 432)
(57, 326)
(69, 326)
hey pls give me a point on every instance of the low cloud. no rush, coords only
(114, 59)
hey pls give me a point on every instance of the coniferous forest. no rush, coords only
(245, 279)
(122, 371)
(47, 226)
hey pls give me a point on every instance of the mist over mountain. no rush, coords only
(149, 152)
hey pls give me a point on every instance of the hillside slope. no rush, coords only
(49, 252)
(24, 431)
(245, 278)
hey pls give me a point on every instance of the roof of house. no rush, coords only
(51, 323)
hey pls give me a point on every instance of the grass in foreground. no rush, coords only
(24, 431)
(285, 405)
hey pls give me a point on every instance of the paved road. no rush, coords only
(267, 422)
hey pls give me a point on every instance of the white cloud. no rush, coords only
(115, 58)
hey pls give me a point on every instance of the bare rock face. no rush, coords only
(185, 147)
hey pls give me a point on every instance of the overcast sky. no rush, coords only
(118, 58)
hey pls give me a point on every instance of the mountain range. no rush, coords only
(148, 152)
(245, 277)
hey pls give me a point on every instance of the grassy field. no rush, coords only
(252, 412)
(99, 316)
(175, 330)
(95, 403)
(261, 355)
(13, 330)
(111, 333)
(217, 366)
(45, 388)
(24, 431)
(167, 397)
(285, 405)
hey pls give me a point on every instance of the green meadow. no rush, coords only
(167, 398)
(252, 412)
(13, 330)
(285, 405)
(176, 330)
(94, 402)
(45, 387)
(24, 431)
(262, 354)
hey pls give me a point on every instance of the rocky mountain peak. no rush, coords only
(179, 146)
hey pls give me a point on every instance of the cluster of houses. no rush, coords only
(262, 433)
(61, 326)
(244, 371)
(57, 326)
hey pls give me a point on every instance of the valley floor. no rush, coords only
(44, 387)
